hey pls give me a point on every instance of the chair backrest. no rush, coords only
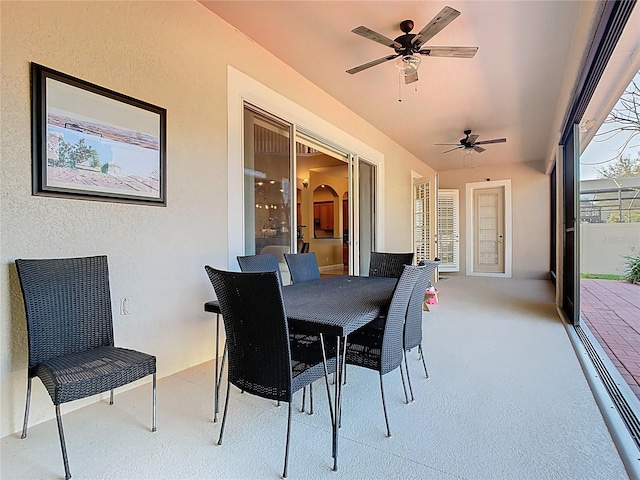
(266, 262)
(384, 264)
(68, 305)
(413, 322)
(257, 332)
(303, 267)
(392, 339)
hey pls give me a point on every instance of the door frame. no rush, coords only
(240, 89)
(470, 224)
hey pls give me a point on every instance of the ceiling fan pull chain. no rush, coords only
(399, 86)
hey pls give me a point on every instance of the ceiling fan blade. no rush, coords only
(495, 140)
(375, 36)
(451, 150)
(441, 20)
(372, 63)
(448, 144)
(413, 77)
(479, 149)
(454, 52)
(472, 138)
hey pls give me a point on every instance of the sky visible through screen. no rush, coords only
(604, 148)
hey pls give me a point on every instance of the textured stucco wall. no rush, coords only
(604, 247)
(175, 55)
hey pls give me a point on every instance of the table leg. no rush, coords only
(337, 398)
(335, 410)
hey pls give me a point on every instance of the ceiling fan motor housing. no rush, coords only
(407, 48)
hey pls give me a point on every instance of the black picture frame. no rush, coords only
(89, 142)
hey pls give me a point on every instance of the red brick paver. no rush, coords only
(611, 310)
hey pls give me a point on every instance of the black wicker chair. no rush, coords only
(70, 334)
(302, 266)
(388, 264)
(268, 262)
(379, 345)
(261, 360)
(413, 321)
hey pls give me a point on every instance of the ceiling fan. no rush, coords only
(410, 46)
(469, 143)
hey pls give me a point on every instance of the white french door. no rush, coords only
(488, 232)
(488, 227)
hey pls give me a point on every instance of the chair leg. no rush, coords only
(26, 409)
(426, 374)
(406, 366)
(111, 397)
(304, 395)
(153, 421)
(286, 448)
(67, 473)
(404, 385)
(326, 377)
(384, 407)
(311, 399)
(216, 400)
(224, 413)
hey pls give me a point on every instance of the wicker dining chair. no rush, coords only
(379, 344)
(302, 266)
(383, 264)
(268, 262)
(70, 335)
(261, 359)
(265, 262)
(413, 320)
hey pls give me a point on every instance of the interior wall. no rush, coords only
(174, 55)
(530, 206)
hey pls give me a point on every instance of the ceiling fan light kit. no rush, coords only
(409, 46)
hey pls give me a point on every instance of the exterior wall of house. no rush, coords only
(530, 206)
(174, 55)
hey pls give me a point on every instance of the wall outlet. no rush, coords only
(124, 306)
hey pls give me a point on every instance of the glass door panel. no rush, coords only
(365, 213)
(322, 180)
(267, 189)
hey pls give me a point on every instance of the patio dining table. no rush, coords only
(334, 306)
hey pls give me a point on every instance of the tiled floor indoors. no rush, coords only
(611, 310)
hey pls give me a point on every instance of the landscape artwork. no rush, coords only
(98, 143)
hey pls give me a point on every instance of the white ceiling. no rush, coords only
(509, 89)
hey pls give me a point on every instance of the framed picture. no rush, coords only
(93, 143)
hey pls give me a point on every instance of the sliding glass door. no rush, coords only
(365, 238)
(267, 184)
(299, 196)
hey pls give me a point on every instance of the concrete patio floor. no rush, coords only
(611, 310)
(506, 399)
